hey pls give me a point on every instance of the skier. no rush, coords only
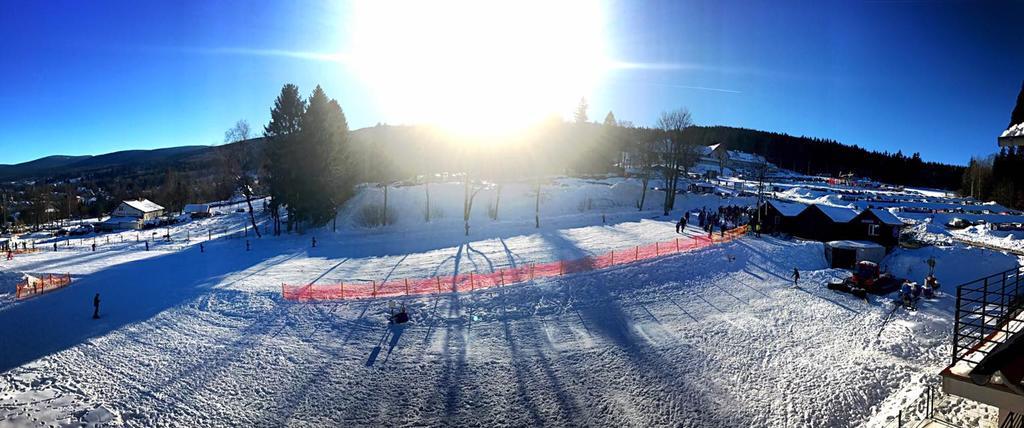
(687, 217)
(679, 226)
(96, 306)
(796, 278)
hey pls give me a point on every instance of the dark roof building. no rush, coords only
(824, 223)
(876, 225)
(778, 216)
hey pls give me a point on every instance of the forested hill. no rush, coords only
(822, 156)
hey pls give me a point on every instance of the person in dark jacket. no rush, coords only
(796, 277)
(96, 306)
(680, 226)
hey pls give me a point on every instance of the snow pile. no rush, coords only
(927, 232)
(1014, 131)
(982, 235)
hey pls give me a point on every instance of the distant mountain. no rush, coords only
(42, 164)
(54, 166)
(394, 152)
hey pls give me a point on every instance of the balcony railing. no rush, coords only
(984, 308)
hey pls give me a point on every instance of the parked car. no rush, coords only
(83, 229)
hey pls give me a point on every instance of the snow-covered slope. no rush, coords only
(715, 337)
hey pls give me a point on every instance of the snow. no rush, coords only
(144, 205)
(788, 209)
(886, 216)
(715, 337)
(1014, 131)
(855, 244)
(838, 214)
(196, 208)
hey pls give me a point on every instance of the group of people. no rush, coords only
(726, 217)
(911, 291)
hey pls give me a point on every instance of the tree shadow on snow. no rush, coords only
(129, 292)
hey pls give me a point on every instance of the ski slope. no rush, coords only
(716, 337)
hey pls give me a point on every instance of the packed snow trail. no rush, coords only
(716, 337)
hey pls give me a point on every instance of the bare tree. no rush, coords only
(647, 157)
(426, 188)
(676, 153)
(536, 209)
(467, 201)
(243, 165)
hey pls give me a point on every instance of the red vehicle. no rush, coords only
(866, 278)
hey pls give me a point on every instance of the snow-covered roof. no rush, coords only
(886, 216)
(788, 209)
(838, 214)
(144, 205)
(196, 208)
(1014, 131)
(707, 150)
(854, 244)
(116, 220)
(745, 157)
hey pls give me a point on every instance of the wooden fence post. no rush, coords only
(374, 288)
(407, 286)
(677, 245)
(502, 273)
(636, 253)
(561, 267)
(343, 291)
(471, 281)
(613, 258)
(438, 284)
(531, 271)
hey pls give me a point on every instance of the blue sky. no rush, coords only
(938, 78)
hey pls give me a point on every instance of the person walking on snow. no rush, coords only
(679, 226)
(796, 277)
(96, 306)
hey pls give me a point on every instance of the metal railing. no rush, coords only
(984, 308)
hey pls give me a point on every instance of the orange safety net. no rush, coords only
(33, 286)
(474, 281)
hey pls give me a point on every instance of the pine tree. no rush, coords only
(609, 119)
(327, 182)
(1018, 110)
(282, 137)
(581, 111)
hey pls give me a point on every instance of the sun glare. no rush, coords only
(476, 67)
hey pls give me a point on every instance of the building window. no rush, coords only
(872, 230)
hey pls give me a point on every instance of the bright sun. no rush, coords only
(478, 67)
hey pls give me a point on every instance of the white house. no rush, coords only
(142, 209)
(716, 157)
(197, 210)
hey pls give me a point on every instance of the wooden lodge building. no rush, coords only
(828, 223)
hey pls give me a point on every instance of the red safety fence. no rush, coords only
(474, 281)
(33, 286)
